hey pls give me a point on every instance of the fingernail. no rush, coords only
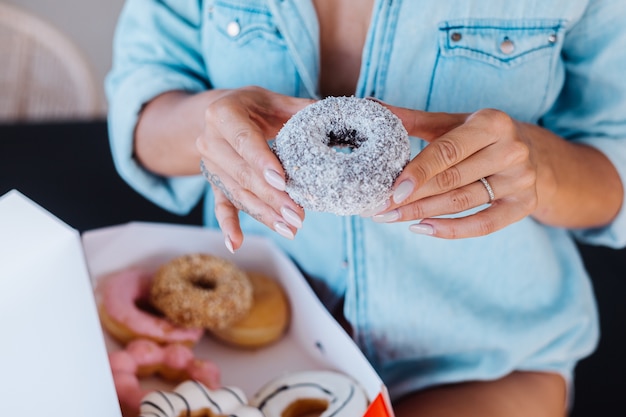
(376, 210)
(283, 230)
(229, 244)
(403, 191)
(422, 229)
(291, 217)
(274, 179)
(390, 216)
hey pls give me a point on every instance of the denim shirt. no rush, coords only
(425, 311)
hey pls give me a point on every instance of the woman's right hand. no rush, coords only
(237, 161)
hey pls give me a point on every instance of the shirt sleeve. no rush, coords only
(156, 49)
(592, 107)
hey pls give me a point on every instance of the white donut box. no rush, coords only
(53, 352)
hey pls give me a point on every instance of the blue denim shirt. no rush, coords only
(425, 311)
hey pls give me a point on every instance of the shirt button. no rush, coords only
(233, 29)
(456, 36)
(552, 38)
(507, 46)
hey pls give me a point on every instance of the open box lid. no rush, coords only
(53, 359)
(57, 351)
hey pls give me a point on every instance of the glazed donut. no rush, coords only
(323, 393)
(267, 320)
(120, 296)
(191, 398)
(143, 358)
(202, 290)
(374, 148)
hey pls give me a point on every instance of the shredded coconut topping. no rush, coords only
(342, 154)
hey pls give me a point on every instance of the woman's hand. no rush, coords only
(487, 157)
(236, 159)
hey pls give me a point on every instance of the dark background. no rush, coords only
(67, 168)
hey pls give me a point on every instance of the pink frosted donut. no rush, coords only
(144, 358)
(120, 296)
(342, 154)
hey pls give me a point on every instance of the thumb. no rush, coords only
(427, 125)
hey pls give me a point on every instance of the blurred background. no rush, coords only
(43, 38)
(54, 56)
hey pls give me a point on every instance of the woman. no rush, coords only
(520, 113)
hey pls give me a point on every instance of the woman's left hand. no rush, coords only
(479, 158)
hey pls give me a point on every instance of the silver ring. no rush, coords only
(492, 196)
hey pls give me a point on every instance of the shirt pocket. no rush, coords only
(242, 46)
(502, 64)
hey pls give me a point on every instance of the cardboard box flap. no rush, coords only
(53, 355)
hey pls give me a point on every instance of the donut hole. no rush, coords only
(203, 282)
(305, 407)
(344, 140)
(144, 304)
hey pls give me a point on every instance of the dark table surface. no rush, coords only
(67, 168)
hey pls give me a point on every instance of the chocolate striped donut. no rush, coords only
(325, 393)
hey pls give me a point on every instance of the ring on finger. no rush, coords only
(492, 196)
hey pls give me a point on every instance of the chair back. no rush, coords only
(43, 74)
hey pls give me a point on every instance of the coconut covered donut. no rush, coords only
(342, 154)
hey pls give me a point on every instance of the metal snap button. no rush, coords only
(552, 38)
(507, 46)
(456, 36)
(233, 29)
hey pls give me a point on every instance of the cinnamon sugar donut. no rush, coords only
(342, 154)
(202, 290)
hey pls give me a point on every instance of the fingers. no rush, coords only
(456, 201)
(248, 120)
(442, 186)
(504, 211)
(228, 219)
(461, 156)
(484, 222)
(240, 165)
(275, 214)
(256, 195)
(427, 125)
(234, 126)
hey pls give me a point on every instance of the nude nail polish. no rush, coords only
(376, 210)
(422, 229)
(403, 191)
(229, 244)
(274, 179)
(283, 230)
(390, 216)
(291, 217)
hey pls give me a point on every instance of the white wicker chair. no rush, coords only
(43, 75)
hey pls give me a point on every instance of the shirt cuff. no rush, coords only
(126, 100)
(614, 234)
